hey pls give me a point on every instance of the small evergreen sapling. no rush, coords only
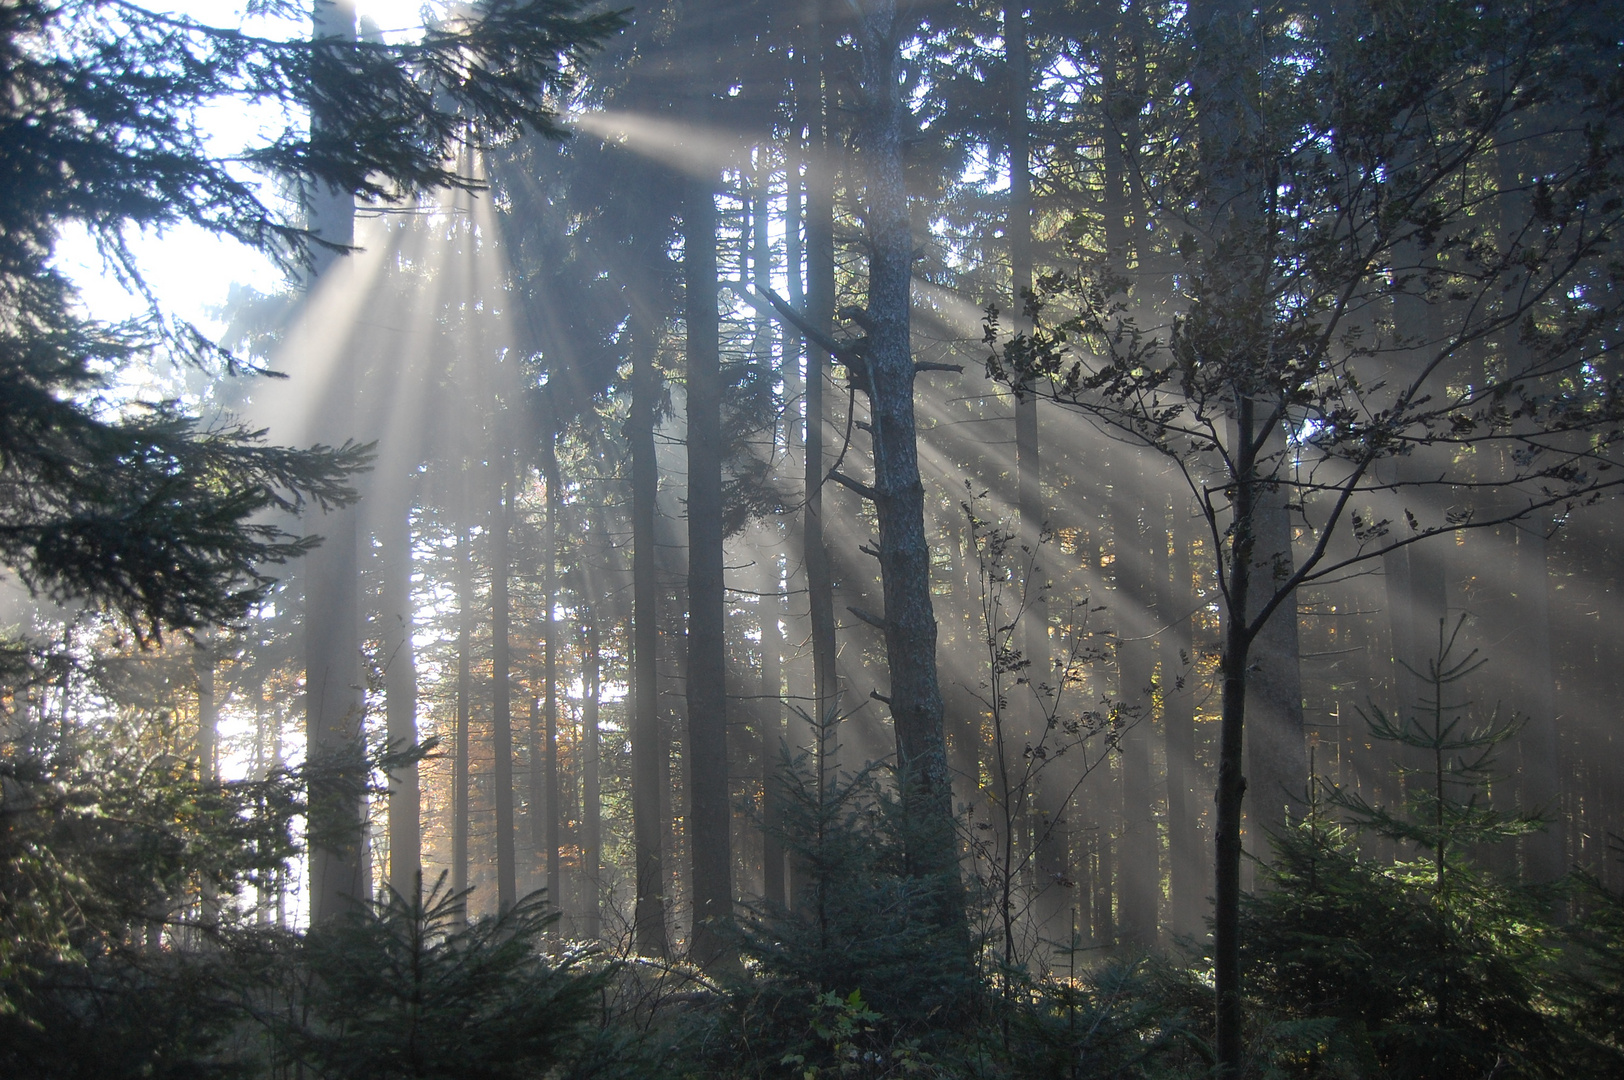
(1426, 967)
(858, 923)
(408, 989)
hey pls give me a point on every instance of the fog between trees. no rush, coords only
(1005, 510)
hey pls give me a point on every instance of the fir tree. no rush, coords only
(140, 506)
(407, 989)
(1429, 966)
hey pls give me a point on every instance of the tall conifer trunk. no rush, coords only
(709, 817)
(1178, 680)
(1138, 872)
(591, 761)
(915, 697)
(501, 683)
(400, 689)
(208, 707)
(820, 257)
(1276, 745)
(552, 813)
(332, 645)
(770, 714)
(465, 623)
(648, 744)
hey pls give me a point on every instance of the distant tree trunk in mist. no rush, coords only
(1544, 858)
(1019, 228)
(507, 892)
(536, 788)
(1527, 651)
(798, 685)
(552, 813)
(1094, 809)
(208, 707)
(332, 639)
(771, 712)
(400, 690)
(208, 735)
(465, 685)
(591, 761)
(1417, 593)
(1049, 810)
(709, 816)
(1276, 751)
(1138, 880)
(898, 493)
(820, 300)
(1138, 869)
(648, 745)
(1186, 876)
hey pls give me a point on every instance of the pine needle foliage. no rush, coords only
(1592, 987)
(408, 989)
(859, 924)
(1425, 967)
(136, 504)
(108, 839)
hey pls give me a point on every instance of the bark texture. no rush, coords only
(898, 494)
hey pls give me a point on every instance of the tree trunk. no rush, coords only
(1528, 649)
(647, 742)
(208, 732)
(1138, 869)
(820, 257)
(1051, 903)
(400, 689)
(1178, 729)
(771, 715)
(1231, 780)
(1276, 751)
(592, 809)
(898, 493)
(208, 708)
(465, 622)
(1543, 852)
(333, 701)
(501, 684)
(709, 819)
(552, 814)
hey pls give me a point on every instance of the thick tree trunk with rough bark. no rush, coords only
(915, 697)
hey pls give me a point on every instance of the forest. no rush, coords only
(812, 539)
